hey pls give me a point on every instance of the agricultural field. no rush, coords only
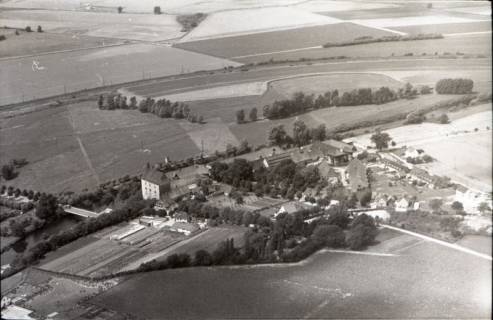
(34, 43)
(73, 139)
(329, 285)
(145, 27)
(209, 240)
(238, 22)
(447, 28)
(58, 73)
(471, 44)
(96, 257)
(237, 47)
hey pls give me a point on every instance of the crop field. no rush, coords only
(446, 28)
(475, 44)
(430, 20)
(274, 41)
(329, 285)
(209, 240)
(98, 24)
(88, 145)
(70, 71)
(237, 22)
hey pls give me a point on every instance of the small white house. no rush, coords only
(402, 205)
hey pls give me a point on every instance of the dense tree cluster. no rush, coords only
(454, 86)
(9, 171)
(285, 179)
(162, 108)
(381, 140)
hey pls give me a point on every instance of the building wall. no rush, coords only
(150, 190)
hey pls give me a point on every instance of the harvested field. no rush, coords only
(402, 10)
(238, 22)
(478, 243)
(267, 42)
(231, 91)
(211, 137)
(329, 285)
(145, 27)
(337, 6)
(34, 43)
(447, 28)
(483, 10)
(475, 44)
(70, 71)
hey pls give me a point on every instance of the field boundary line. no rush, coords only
(88, 160)
(465, 33)
(367, 253)
(441, 242)
(274, 52)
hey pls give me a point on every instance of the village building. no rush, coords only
(328, 173)
(356, 175)
(402, 205)
(155, 184)
(181, 216)
(380, 201)
(185, 228)
(337, 153)
(293, 207)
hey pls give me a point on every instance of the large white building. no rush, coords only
(155, 184)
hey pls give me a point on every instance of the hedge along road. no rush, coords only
(17, 84)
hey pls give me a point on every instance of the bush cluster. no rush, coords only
(454, 86)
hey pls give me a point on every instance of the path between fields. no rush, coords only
(440, 242)
(152, 256)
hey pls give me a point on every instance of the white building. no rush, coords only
(402, 205)
(154, 184)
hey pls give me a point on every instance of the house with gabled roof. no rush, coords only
(155, 184)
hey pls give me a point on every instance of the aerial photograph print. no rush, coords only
(246, 159)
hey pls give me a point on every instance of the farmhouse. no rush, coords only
(337, 153)
(402, 205)
(356, 174)
(155, 184)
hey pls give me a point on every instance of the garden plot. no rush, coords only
(238, 22)
(98, 24)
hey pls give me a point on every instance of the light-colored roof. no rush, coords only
(294, 206)
(341, 145)
(191, 227)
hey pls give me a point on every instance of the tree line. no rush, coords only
(162, 108)
(392, 38)
(301, 102)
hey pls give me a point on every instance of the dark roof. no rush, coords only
(154, 176)
(321, 149)
(341, 145)
(277, 158)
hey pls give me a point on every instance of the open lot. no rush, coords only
(330, 285)
(266, 42)
(29, 78)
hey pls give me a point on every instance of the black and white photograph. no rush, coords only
(246, 159)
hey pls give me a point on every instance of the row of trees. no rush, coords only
(240, 115)
(9, 171)
(302, 135)
(163, 108)
(301, 103)
(392, 38)
(454, 86)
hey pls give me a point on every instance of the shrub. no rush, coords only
(28, 29)
(157, 10)
(2, 37)
(39, 29)
(454, 86)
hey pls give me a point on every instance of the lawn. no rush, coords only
(412, 284)
(261, 43)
